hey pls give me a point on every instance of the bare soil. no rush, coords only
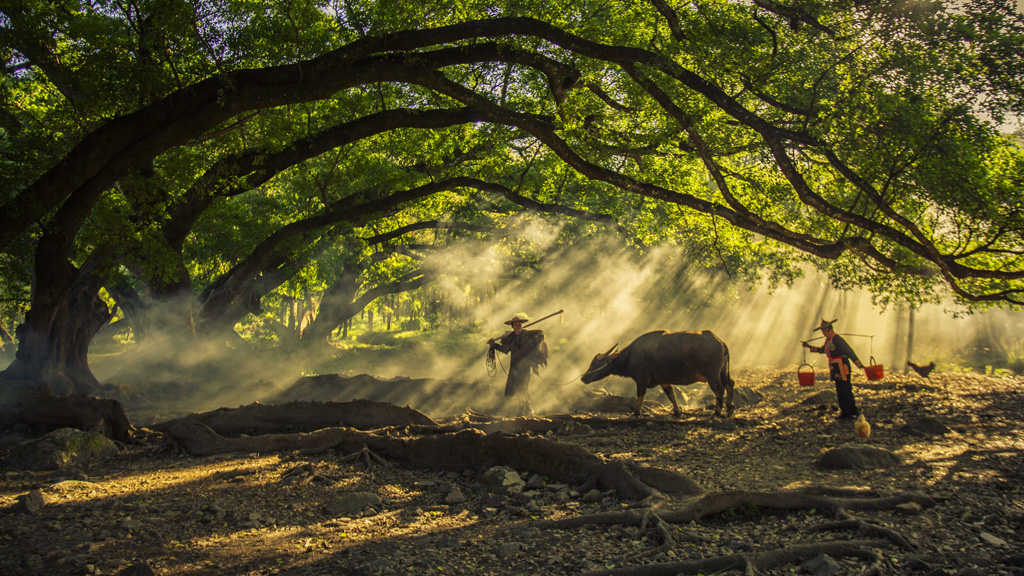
(268, 513)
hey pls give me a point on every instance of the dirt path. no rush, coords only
(278, 513)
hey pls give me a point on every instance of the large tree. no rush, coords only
(859, 134)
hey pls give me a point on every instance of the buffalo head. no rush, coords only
(600, 366)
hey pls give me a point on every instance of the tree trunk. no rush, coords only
(337, 306)
(65, 315)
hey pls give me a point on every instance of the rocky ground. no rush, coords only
(303, 514)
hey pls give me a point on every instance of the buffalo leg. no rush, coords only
(716, 387)
(671, 393)
(641, 391)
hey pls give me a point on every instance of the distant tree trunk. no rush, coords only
(369, 320)
(6, 340)
(910, 339)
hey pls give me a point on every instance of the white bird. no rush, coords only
(861, 427)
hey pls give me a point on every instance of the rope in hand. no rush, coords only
(490, 362)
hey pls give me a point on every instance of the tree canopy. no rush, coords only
(215, 152)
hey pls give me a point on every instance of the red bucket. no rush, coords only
(805, 378)
(873, 371)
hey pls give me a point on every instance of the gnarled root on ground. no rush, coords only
(465, 450)
(836, 501)
(753, 562)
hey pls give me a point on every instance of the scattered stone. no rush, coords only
(594, 495)
(30, 503)
(60, 449)
(823, 565)
(535, 481)
(992, 539)
(500, 478)
(494, 501)
(858, 457)
(528, 532)
(455, 496)
(351, 503)
(909, 509)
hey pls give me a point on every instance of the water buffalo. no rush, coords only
(663, 358)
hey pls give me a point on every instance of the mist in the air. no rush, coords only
(608, 294)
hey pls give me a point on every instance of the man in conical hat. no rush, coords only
(839, 355)
(528, 352)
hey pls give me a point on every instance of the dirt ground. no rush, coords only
(270, 513)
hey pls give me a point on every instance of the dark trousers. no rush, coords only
(844, 394)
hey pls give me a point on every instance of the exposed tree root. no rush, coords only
(367, 456)
(753, 562)
(750, 563)
(465, 450)
(259, 418)
(101, 415)
(865, 528)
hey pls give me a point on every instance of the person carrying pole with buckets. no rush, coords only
(839, 355)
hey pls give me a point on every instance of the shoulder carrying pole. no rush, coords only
(544, 318)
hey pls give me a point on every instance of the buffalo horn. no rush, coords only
(612, 349)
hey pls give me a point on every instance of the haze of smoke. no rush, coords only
(610, 295)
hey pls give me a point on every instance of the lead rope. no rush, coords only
(492, 362)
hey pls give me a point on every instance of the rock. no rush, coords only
(992, 539)
(29, 503)
(351, 503)
(63, 448)
(909, 509)
(509, 548)
(535, 481)
(593, 495)
(494, 501)
(823, 565)
(858, 457)
(455, 496)
(528, 532)
(499, 478)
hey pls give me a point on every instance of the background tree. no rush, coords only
(753, 136)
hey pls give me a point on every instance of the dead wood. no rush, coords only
(465, 450)
(88, 413)
(257, 418)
